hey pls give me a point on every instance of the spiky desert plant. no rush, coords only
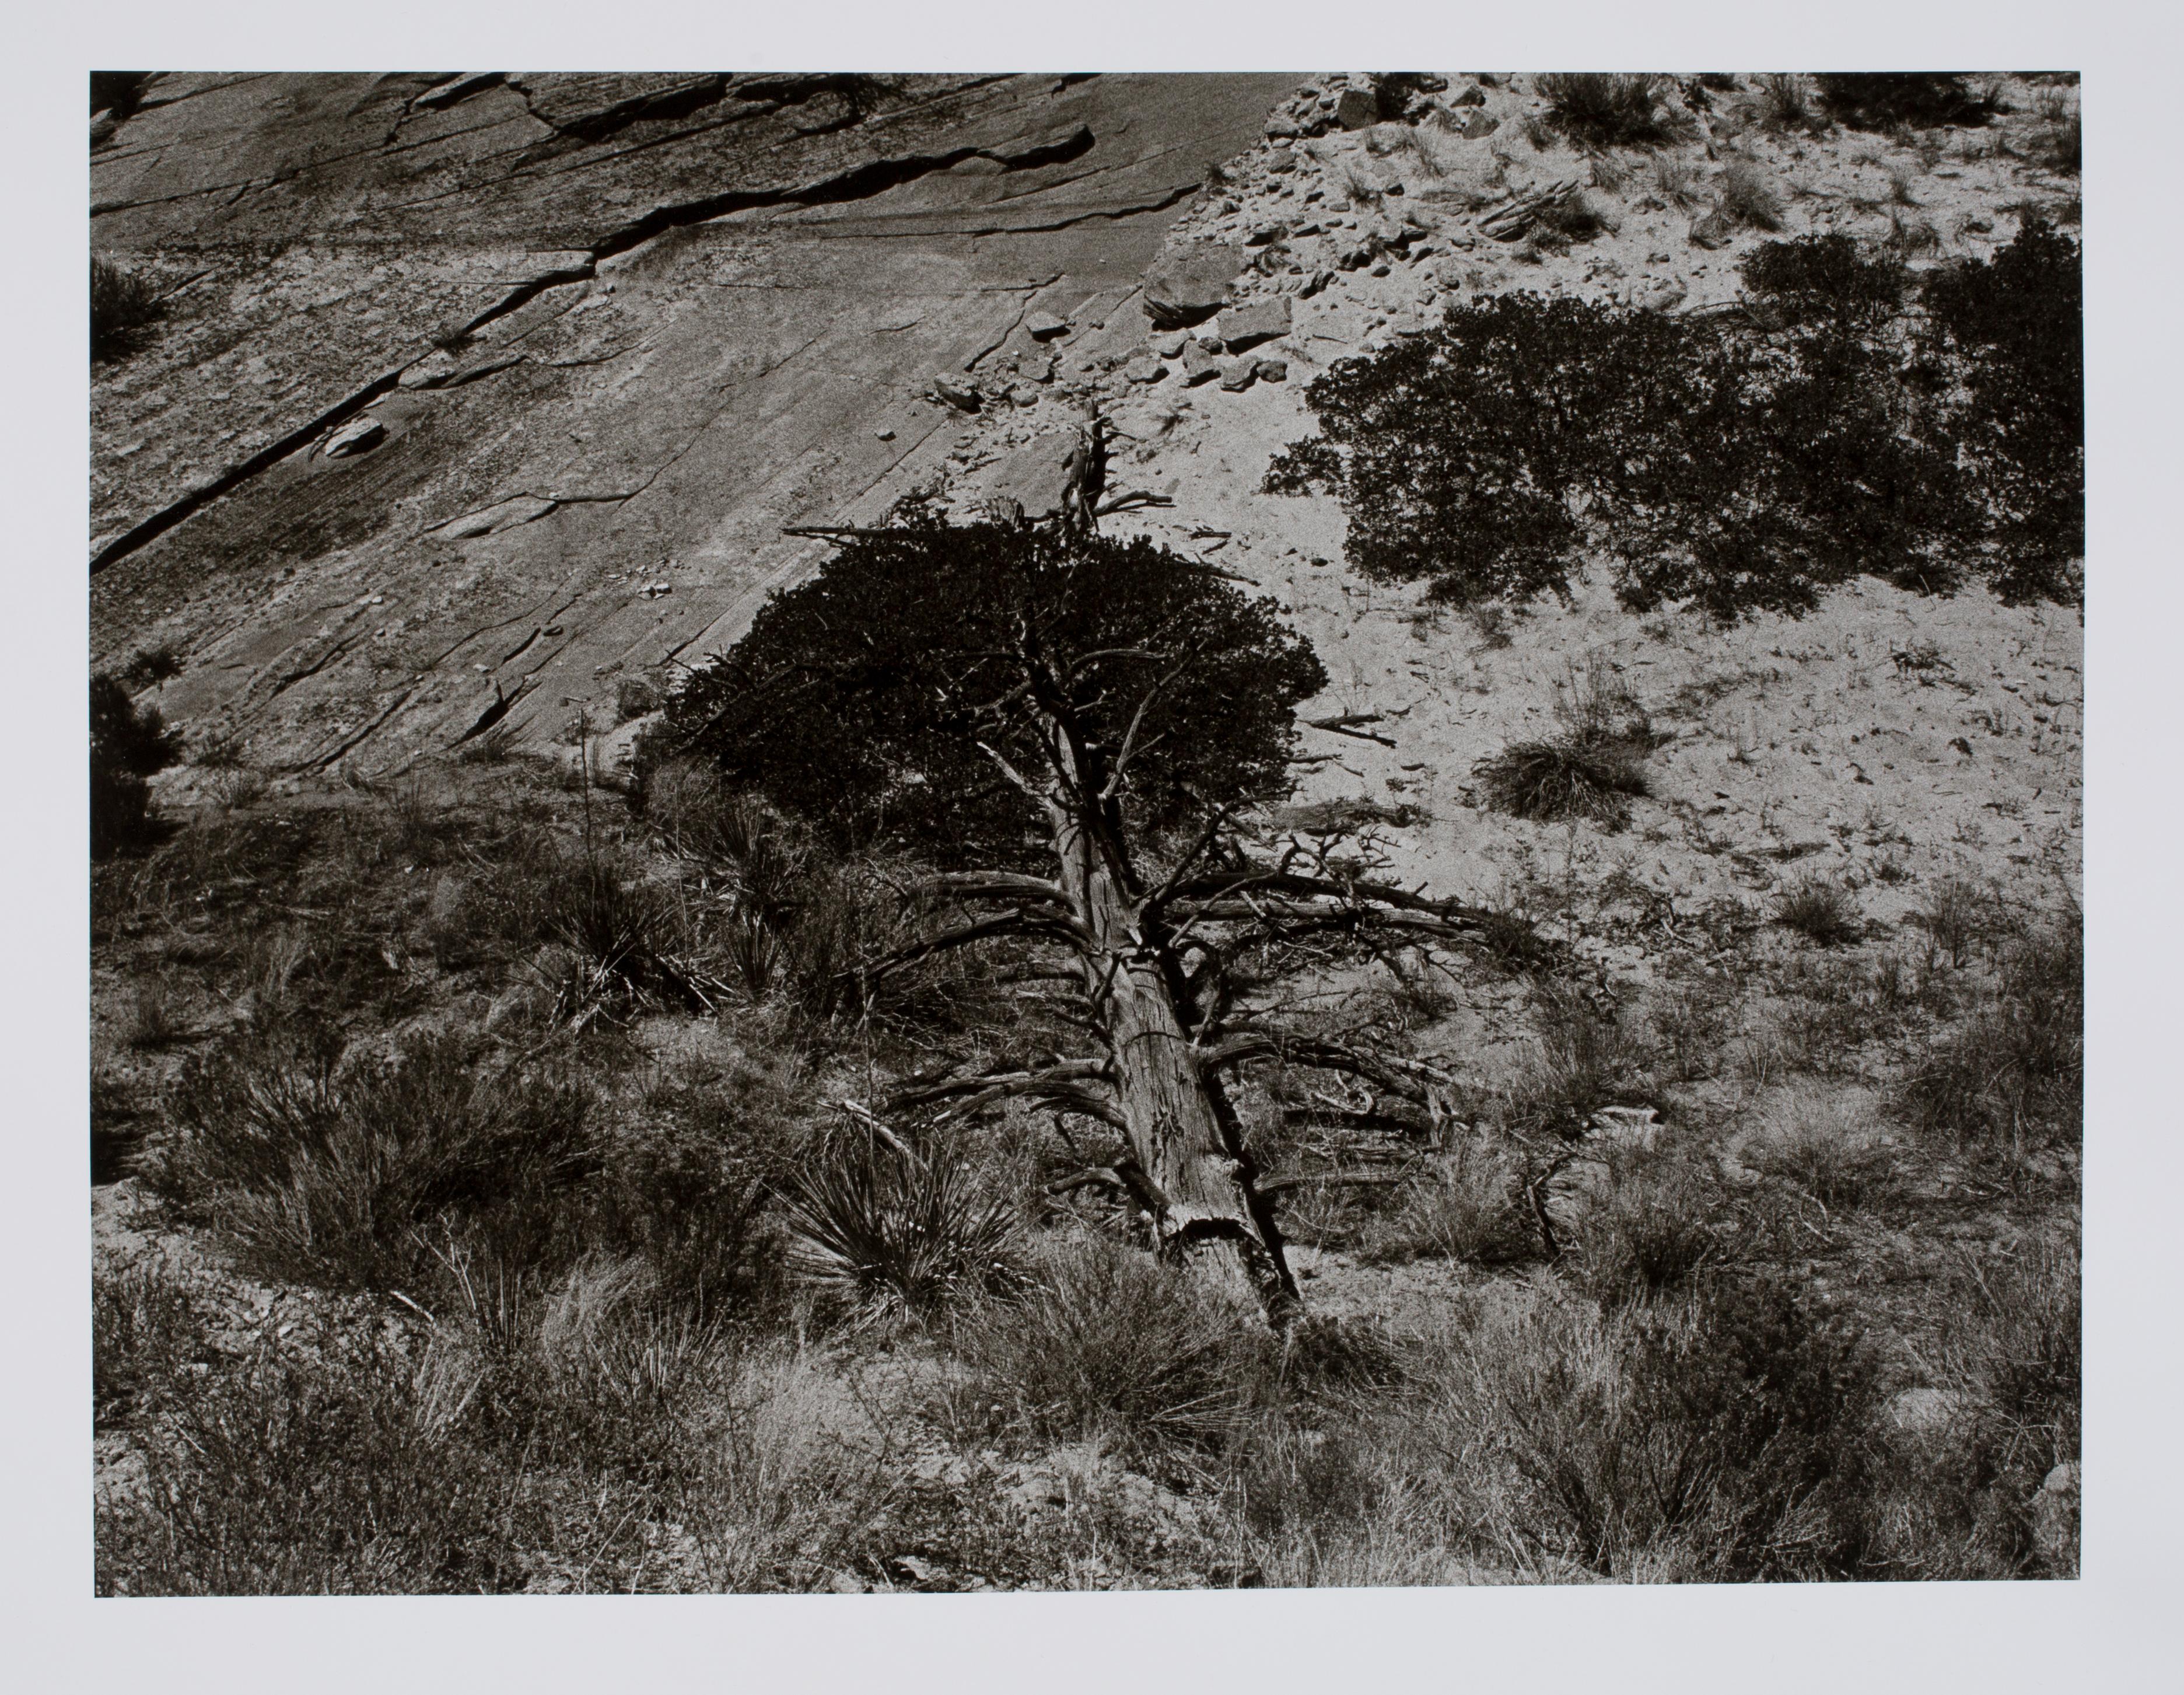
(878, 1234)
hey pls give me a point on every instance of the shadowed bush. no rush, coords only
(123, 306)
(327, 1172)
(1880, 100)
(130, 744)
(1733, 464)
(1608, 111)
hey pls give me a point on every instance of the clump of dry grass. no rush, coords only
(1599, 110)
(1821, 911)
(1106, 1342)
(1590, 770)
(1744, 194)
(1677, 180)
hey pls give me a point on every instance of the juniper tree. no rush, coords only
(1066, 727)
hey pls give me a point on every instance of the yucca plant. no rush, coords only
(878, 1234)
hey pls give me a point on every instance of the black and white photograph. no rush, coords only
(948, 831)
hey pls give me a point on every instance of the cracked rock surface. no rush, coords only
(482, 391)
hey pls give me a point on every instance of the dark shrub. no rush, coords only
(1735, 467)
(1825, 277)
(329, 1172)
(123, 304)
(129, 746)
(2017, 323)
(1608, 111)
(1880, 100)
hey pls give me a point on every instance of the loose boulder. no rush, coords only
(1356, 108)
(1189, 286)
(1259, 320)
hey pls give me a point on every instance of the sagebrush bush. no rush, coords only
(1468, 1205)
(1647, 1227)
(328, 1171)
(1107, 1342)
(1720, 1439)
(1611, 110)
(2011, 1077)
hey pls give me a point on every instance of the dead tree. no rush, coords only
(1067, 727)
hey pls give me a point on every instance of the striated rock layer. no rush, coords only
(477, 395)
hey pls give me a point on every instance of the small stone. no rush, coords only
(1146, 367)
(1472, 96)
(1198, 364)
(1264, 234)
(1476, 125)
(1380, 270)
(1713, 231)
(884, 435)
(848, 1583)
(1356, 108)
(1238, 374)
(1273, 369)
(1038, 367)
(1170, 346)
(361, 435)
(1045, 326)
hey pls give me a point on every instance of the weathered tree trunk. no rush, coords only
(1199, 1180)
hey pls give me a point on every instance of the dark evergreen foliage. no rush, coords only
(866, 698)
(1734, 464)
(129, 746)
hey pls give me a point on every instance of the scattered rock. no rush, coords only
(1924, 1413)
(1170, 346)
(1146, 367)
(884, 435)
(1238, 374)
(1265, 235)
(1476, 125)
(1261, 321)
(2055, 1520)
(1045, 326)
(1198, 364)
(1472, 96)
(1658, 293)
(1714, 229)
(960, 395)
(1273, 369)
(359, 435)
(1356, 108)
(1038, 367)
(1189, 287)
